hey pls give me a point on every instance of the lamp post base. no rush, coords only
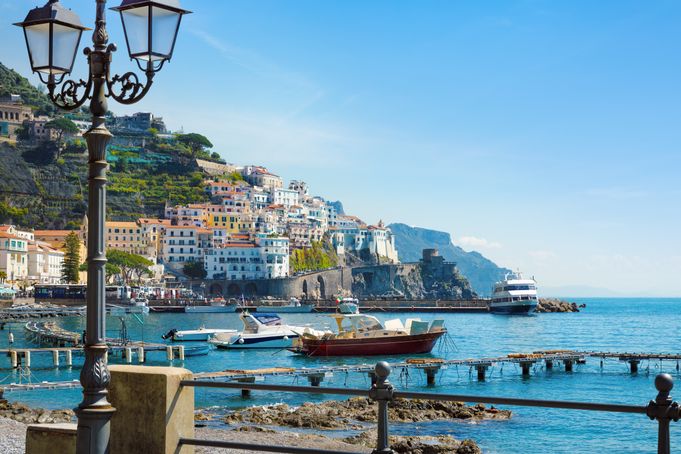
(93, 429)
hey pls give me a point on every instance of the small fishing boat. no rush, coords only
(198, 350)
(262, 330)
(293, 307)
(364, 335)
(201, 334)
(216, 305)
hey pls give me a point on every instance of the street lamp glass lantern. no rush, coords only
(52, 35)
(151, 28)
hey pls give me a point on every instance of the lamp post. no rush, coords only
(53, 35)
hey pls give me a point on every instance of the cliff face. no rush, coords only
(412, 281)
(480, 271)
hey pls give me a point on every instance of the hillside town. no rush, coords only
(253, 226)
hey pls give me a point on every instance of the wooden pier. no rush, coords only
(430, 367)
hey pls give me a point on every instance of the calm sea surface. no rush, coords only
(641, 325)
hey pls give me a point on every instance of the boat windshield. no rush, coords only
(268, 319)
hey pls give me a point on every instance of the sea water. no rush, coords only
(632, 325)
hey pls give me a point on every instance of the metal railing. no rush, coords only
(662, 408)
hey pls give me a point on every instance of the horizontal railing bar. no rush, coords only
(523, 402)
(255, 448)
(282, 388)
(427, 396)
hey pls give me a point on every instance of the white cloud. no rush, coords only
(475, 242)
(542, 255)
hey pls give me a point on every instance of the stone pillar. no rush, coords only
(152, 410)
(53, 438)
(245, 393)
(634, 365)
(430, 374)
(315, 379)
(568, 365)
(482, 369)
(549, 364)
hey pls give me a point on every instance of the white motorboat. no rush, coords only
(262, 330)
(514, 295)
(201, 334)
(348, 306)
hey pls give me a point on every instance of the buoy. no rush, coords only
(241, 341)
(285, 338)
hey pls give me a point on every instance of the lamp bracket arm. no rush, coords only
(67, 97)
(131, 88)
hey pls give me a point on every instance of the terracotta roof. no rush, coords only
(7, 235)
(129, 224)
(54, 232)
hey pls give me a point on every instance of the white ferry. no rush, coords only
(514, 295)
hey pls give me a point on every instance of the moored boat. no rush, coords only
(262, 330)
(200, 334)
(216, 305)
(514, 295)
(293, 307)
(364, 335)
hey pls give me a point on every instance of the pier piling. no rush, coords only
(14, 358)
(549, 364)
(170, 353)
(140, 355)
(482, 370)
(245, 393)
(69, 358)
(180, 352)
(633, 363)
(27, 358)
(568, 365)
(315, 379)
(128, 355)
(55, 357)
(525, 366)
(430, 374)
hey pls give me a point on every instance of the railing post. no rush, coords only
(382, 392)
(664, 409)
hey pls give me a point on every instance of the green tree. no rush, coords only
(71, 265)
(194, 270)
(128, 264)
(197, 143)
(63, 126)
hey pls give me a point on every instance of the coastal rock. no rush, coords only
(345, 414)
(418, 444)
(22, 413)
(556, 305)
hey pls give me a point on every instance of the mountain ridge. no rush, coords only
(479, 270)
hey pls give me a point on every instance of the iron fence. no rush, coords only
(662, 408)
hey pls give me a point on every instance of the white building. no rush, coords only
(179, 245)
(265, 258)
(376, 240)
(44, 263)
(286, 197)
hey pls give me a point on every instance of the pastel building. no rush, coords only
(13, 254)
(179, 245)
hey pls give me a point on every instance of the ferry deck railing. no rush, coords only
(662, 408)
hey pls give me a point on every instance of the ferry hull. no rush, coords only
(393, 345)
(513, 308)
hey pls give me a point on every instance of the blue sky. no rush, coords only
(544, 134)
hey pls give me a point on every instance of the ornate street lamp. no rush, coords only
(52, 36)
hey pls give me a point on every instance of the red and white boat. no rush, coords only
(364, 335)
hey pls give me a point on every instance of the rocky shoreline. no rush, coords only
(360, 414)
(263, 425)
(556, 305)
(27, 415)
